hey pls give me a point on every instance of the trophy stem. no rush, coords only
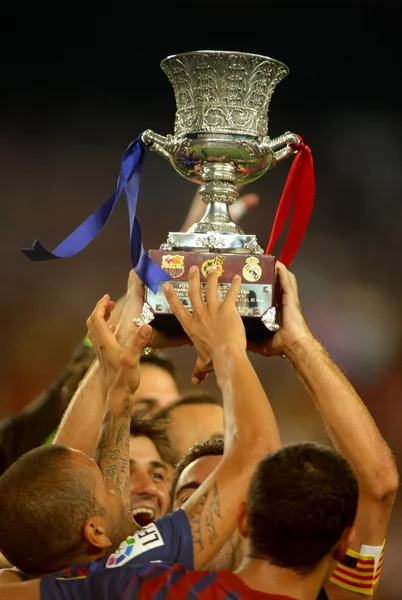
(218, 193)
(216, 218)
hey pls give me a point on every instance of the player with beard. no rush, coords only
(297, 522)
(191, 535)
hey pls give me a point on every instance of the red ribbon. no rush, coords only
(300, 186)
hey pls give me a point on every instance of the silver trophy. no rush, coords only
(220, 141)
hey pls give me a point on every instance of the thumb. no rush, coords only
(141, 340)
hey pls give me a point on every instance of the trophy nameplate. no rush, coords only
(255, 299)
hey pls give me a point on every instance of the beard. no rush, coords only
(120, 529)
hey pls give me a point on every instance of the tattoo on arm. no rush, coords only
(211, 509)
(112, 452)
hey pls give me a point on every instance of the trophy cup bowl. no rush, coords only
(220, 141)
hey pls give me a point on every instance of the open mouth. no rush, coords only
(143, 516)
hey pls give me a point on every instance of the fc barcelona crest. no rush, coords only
(173, 264)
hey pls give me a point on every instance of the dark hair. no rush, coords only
(42, 490)
(189, 399)
(211, 447)
(158, 359)
(154, 429)
(300, 500)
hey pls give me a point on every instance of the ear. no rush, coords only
(95, 532)
(343, 544)
(241, 520)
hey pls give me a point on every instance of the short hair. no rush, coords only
(188, 399)
(156, 430)
(300, 500)
(42, 490)
(211, 447)
(161, 360)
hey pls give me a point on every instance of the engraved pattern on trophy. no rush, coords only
(221, 136)
(223, 92)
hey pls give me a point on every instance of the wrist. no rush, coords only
(225, 359)
(301, 348)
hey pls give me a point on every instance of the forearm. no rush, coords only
(249, 419)
(349, 423)
(80, 425)
(250, 433)
(113, 447)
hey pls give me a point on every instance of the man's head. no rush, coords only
(194, 468)
(57, 509)
(192, 420)
(300, 507)
(158, 387)
(151, 469)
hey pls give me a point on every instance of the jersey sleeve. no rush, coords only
(168, 539)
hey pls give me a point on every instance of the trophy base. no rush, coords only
(257, 302)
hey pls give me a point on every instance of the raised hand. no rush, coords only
(132, 309)
(213, 323)
(293, 327)
(114, 359)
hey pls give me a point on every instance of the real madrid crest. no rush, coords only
(173, 264)
(216, 261)
(252, 270)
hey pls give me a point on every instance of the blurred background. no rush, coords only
(77, 85)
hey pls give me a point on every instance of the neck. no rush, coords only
(262, 576)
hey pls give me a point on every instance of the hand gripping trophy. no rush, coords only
(220, 142)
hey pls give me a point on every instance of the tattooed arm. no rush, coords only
(217, 332)
(121, 372)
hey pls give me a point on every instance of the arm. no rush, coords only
(347, 420)
(121, 373)
(81, 422)
(355, 435)
(216, 330)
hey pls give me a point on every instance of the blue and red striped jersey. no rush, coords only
(156, 581)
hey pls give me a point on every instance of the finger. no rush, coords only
(284, 278)
(109, 310)
(293, 281)
(141, 340)
(211, 288)
(176, 306)
(233, 291)
(98, 331)
(194, 289)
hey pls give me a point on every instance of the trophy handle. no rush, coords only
(166, 146)
(283, 146)
(279, 148)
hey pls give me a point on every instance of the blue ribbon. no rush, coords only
(129, 179)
